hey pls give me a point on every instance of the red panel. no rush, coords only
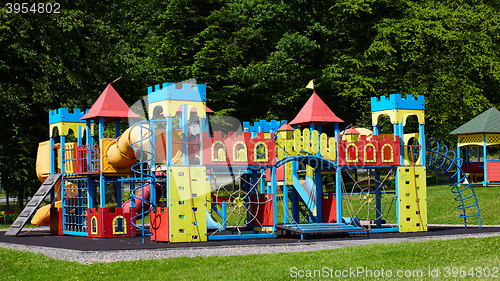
(352, 152)
(231, 141)
(473, 167)
(329, 209)
(493, 170)
(262, 211)
(387, 153)
(105, 222)
(280, 173)
(159, 225)
(369, 153)
(88, 159)
(362, 143)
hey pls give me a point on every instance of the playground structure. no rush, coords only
(200, 178)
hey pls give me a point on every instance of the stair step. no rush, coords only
(32, 206)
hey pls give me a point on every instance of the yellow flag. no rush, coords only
(310, 85)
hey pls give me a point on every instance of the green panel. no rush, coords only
(189, 192)
(412, 185)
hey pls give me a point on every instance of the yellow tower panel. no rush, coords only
(63, 128)
(289, 173)
(398, 115)
(412, 198)
(189, 194)
(43, 160)
(314, 142)
(408, 154)
(70, 157)
(280, 148)
(107, 167)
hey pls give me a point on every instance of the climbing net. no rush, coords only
(242, 203)
(360, 202)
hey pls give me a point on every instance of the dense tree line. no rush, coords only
(255, 56)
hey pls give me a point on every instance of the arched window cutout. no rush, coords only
(158, 113)
(240, 152)
(218, 151)
(261, 153)
(370, 153)
(93, 223)
(387, 153)
(55, 134)
(119, 225)
(351, 153)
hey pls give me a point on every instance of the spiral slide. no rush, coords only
(446, 164)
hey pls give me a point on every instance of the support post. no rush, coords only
(102, 189)
(485, 158)
(378, 197)
(338, 177)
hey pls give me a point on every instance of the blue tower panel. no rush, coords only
(168, 91)
(263, 126)
(396, 101)
(63, 115)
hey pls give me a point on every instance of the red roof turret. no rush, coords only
(315, 111)
(285, 127)
(110, 106)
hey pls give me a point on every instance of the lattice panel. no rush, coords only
(492, 139)
(470, 139)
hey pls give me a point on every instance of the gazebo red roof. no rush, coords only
(315, 111)
(110, 106)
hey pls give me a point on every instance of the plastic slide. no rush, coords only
(42, 215)
(211, 223)
(122, 154)
(138, 202)
(307, 191)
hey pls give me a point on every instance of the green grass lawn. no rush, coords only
(412, 258)
(442, 208)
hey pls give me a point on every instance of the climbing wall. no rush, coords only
(189, 192)
(412, 197)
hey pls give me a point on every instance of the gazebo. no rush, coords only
(479, 147)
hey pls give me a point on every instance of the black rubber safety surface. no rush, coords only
(44, 239)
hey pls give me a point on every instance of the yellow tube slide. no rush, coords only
(120, 154)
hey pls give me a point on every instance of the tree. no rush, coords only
(446, 51)
(59, 60)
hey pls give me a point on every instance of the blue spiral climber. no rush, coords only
(446, 164)
(144, 176)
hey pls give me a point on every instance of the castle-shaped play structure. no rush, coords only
(178, 175)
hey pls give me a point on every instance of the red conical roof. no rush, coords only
(110, 106)
(315, 111)
(285, 127)
(352, 131)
